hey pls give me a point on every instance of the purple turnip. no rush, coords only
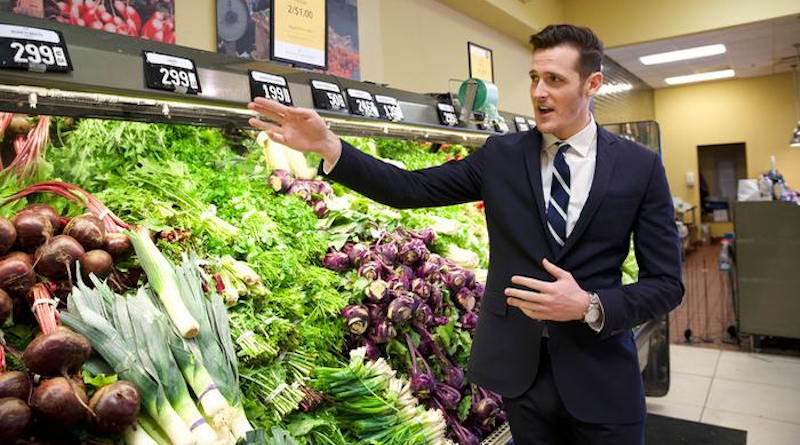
(15, 418)
(15, 384)
(60, 401)
(115, 407)
(56, 259)
(53, 354)
(32, 228)
(88, 230)
(8, 235)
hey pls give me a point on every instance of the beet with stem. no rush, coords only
(115, 407)
(118, 245)
(56, 259)
(60, 401)
(8, 235)
(33, 228)
(16, 273)
(53, 354)
(15, 384)
(48, 212)
(97, 262)
(88, 230)
(15, 417)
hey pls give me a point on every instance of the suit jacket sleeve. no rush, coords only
(657, 247)
(454, 182)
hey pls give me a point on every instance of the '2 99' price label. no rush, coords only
(34, 49)
(270, 86)
(389, 108)
(362, 104)
(170, 73)
(327, 96)
(522, 124)
(447, 115)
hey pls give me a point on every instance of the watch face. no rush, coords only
(592, 315)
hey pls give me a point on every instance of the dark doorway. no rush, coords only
(721, 167)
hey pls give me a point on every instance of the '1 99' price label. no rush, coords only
(270, 86)
(327, 96)
(34, 49)
(447, 115)
(389, 108)
(170, 73)
(362, 104)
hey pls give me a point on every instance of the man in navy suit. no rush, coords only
(562, 201)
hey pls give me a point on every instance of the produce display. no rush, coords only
(190, 287)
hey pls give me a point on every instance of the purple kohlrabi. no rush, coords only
(465, 299)
(377, 312)
(484, 411)
(320, 208)
(358, 254)
(469, 321)
(336, 260)
(377, 291)
(397, 284)
(387, 252)
(280, 180)
(400, 310)
(422, 382)
(300, 189)
(357, 317)
(447, 395)
(421, 288)
(428, 271)
(373, 353)
(479, 290)
(455, 279)
(371, 270)
(382, 332)
(413, 251)
(436, 300)
(423, 315)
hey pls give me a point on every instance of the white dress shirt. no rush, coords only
(581, 156)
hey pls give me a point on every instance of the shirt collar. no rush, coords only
(580, 141)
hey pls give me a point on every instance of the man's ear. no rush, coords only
(593, 83)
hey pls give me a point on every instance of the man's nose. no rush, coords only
(539, 90)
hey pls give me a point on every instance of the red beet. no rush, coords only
(118, 245)
(116, 407)
(63, 350)
(15, 417)
(48, 212)
(56, 259)
(8, 235)
(87, 230)
(6, 306)
(33, 228)
(96, 262)
(15, 384)
(16, 273)
(59, 401)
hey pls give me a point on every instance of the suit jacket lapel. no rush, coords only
(604, 168)
(533, 160)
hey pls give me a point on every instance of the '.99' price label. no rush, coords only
(447, 115)
(34, 49)
(362, 104)
(270, 86)
(170, 73)
(389, 108)
(327, 96)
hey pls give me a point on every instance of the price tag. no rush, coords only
(447, 115)
(34, 49)
(270, 86)
(485, 125)
(522, 124)
(362, 104)
(389, 108)
(327, 96)
(531, 123)
(170, 73)
(501, 127)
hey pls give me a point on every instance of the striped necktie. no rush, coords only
(559, 200)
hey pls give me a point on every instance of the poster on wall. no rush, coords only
(243, 30)
(298, 32)
(146, 19)
(481, 64)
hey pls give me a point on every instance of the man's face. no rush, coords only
(560, 98)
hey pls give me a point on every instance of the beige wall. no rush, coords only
(758, 111)
(431, 47)
(512, 17)
(196, 24)
(624, 22)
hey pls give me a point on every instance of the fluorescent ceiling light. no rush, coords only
(613, 88)
(713, 75)
(683, 54)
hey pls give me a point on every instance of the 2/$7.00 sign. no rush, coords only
(170, 73)
(33, 49)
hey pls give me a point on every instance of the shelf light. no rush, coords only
(700, 77)
(683, 54)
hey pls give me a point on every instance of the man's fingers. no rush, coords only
(268, 113)
(266, 126)
(557, 272)
(530, 283)
(532, 310)
(271, 105)
(534, 297)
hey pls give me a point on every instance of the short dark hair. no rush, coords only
(583, 39)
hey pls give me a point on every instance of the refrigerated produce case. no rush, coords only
(108, 82)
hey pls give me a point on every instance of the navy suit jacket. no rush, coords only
(597, 374)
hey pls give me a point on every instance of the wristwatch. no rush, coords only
(592, 313)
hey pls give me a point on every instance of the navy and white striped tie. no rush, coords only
(559, 200)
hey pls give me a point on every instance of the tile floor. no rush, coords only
(758, 393)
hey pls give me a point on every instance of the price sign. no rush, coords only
(480, 62)
(270, 86)
(447, 115)
(34, 49)
(327, 96)
(170, 73)
(362, 104)
(501, 127)
(389, 108)
(299, 32)
(522, 124)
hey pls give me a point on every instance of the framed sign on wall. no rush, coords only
(481, 64)
(299, 33)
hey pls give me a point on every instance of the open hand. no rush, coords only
(299, 128)
(560, 300)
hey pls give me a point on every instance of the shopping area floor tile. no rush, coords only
(691, 360)
(686, 389)
(656, 405)
(760, 368)
(755, 399)
(760, 431)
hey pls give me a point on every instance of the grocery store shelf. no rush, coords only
(500, 436)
